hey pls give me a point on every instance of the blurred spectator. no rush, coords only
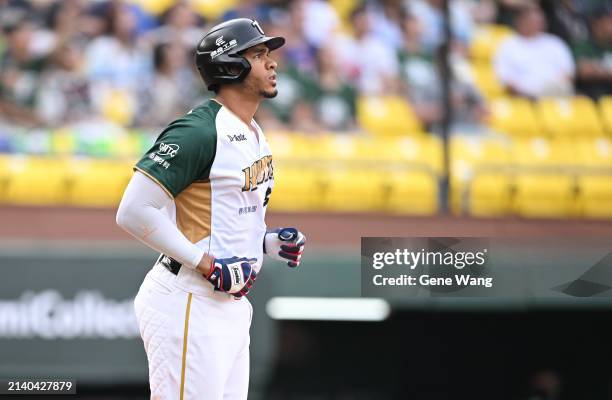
(297, 50)
(320, 22)
(385, 19)
(594, 56)
(367, 63)
(430, 14)
(174, 88)
(180, 25)
(19, 74)
(119, 69)
(567, 19)
(423, 84)
(254, 9)
(533, 63)
(334, 100)
(507, 9)
(64, 95)
(293, 86)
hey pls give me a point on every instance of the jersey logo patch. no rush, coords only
(237, 138)
(169, 149)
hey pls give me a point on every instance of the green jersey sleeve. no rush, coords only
(183, 153)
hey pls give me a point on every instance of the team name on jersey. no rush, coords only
(259, 172)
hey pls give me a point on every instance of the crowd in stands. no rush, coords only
(78, 62)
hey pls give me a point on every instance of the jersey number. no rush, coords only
(267, 198)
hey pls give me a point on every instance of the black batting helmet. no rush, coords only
(218, 55)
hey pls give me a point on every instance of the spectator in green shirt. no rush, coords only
(594, 56)
(19, 75)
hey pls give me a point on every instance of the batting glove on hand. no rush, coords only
(232, 275)
(285, 244)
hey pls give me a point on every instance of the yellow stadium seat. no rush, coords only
(605, 112)
(595, 181)
(596, 195)
(212, 10)
(291, 145)
(35, 181)
(344, 7)
(486, 81)
(546, 195)
(541, 151)
(297, 187)
(545, 180)
(353, 189)
(421, 151)
(97, 183)
(155, 7)
(471, 156)
(387, 116)
(487, 39)
(489, 194)
(515, 116)
(412, 192)
(572, 116)
(593, 152)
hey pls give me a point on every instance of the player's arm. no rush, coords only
(285, 244)
(140, 214)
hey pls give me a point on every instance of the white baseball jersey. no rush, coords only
(220, 175)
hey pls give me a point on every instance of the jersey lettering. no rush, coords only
(259, 172)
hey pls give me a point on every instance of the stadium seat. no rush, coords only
(36, 181)
(486, 81)
(291, 145)
(353, 189)
(605, 112)
(515, 116)
(412, 193)
(545, 184)
(572, 116)
(387, 116)
(472, 156)
(489, 194)
(212, 10)
(297, 187)
(154, 7)
(595, 181)
(545, 195)
(487, 39)
(97, 183)
(596, 195)
(544, 152)
(421, 151)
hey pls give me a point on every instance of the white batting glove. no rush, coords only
(285, 244)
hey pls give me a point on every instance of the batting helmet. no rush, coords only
(218, 55)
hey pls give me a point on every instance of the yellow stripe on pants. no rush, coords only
(185, 335)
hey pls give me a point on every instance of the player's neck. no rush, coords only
(243, 106)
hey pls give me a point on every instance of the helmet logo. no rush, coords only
(256, 25)
(219, 41)
(223, 48)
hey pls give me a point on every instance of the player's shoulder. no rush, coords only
(204, 112)
(196, 123)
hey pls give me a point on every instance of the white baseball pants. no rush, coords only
(197, 345)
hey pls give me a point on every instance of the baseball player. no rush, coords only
(199, 197)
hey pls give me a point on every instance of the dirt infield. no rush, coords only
(41, 223)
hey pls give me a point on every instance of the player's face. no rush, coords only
(261, 80)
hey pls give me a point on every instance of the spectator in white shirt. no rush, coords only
(534, 63)
(366, 62)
